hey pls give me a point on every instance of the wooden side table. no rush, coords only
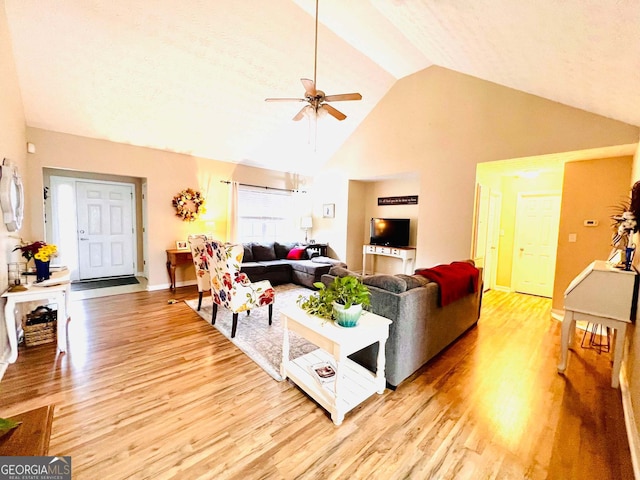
(31, 437)
(176, 257)
(353, 383)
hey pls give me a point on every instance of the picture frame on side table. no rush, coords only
(182, 245)
(329, 210)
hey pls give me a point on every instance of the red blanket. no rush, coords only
(455, 280)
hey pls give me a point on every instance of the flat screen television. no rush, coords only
(393, 232)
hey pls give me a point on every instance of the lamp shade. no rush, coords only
(306, 222)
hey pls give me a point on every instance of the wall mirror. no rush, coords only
(11, 196)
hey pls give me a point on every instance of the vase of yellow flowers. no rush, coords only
(41, 253)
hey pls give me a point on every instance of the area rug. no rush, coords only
(260, 341)
(103, 283)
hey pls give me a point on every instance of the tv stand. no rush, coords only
(406, 254)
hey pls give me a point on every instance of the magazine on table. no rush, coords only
(323, 372)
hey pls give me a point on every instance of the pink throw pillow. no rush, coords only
(295, 254)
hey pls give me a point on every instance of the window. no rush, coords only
(265, 215)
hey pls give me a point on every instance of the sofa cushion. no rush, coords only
(248, 253)
(253, 268)
(341, 271)
(283, 249)
(307, 266)
(276, 265)
(414, 281)
(390, 283)
(263, 252)
(330, 261)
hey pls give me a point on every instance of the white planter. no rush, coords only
(347, 317)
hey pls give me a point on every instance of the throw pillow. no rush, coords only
(263, 252)
(283, 249)
(338, 271)
(248, 254)
(390, 283)
(295, 253)
(414, 281)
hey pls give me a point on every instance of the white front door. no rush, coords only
(536, 243)
(105, 229)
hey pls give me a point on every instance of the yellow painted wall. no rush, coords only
(590, 189)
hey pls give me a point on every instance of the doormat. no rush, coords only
(103, 283)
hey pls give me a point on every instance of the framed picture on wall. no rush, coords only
(329, 210)
(180, 245)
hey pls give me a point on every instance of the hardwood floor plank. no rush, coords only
(150, 390)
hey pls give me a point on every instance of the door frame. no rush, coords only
(518, 225)
(55, 221)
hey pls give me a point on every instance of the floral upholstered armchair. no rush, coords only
(232, 289)
(198, 246)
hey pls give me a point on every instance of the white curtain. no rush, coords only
(232, 213)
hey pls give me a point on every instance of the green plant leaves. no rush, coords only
(6, 424)
(346, 291)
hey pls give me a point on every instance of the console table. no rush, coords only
(406, 254)
(176, 257)
(604, 295)
(353, 383)
(55, 290)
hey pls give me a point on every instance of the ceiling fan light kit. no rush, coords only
(316, 99)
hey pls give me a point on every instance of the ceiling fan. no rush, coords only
(316, 99)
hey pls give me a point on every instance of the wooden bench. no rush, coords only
(31, 437)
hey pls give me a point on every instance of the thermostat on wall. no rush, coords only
(591, 223)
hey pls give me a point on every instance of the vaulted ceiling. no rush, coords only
(191, 76)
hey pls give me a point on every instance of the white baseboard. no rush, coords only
(502, 288)
(630, 422)
(557, 314)
(165, 286)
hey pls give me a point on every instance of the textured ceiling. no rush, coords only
(192, 76)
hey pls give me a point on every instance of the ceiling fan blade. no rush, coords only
(342, 97)
(309, 86)
(285, 100)
(300, 115)
(333, 112)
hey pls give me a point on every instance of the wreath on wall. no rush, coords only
(188, 204)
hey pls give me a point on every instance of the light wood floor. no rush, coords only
(149, 390)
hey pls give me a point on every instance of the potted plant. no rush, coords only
(342, 300)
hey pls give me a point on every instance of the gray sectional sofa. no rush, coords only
(421, 328)
(270, 262)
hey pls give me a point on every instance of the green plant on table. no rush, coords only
(346, 291)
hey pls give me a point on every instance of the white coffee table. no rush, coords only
(353, 383)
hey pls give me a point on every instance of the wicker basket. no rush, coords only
(40, 326)
(40, 333)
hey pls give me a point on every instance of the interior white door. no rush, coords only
(493, 240)
(536, 243)
(105, 229)
(482, 213)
